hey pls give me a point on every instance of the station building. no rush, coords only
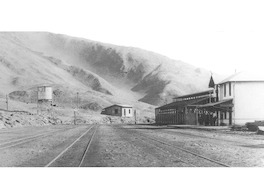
(183, 109)
(235, 100)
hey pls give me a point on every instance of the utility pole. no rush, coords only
(75, 110)
(77, 100)
(6, 102)
(135, 114)
(74, 120)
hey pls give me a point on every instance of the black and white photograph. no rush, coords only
(132, 84)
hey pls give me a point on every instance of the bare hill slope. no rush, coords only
(103, 73)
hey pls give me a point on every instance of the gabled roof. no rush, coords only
(244, 77)
(211, 83)
(120, 105)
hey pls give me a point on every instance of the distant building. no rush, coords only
(44, 101)
(235, 100)
(118, 110)
(44, 93)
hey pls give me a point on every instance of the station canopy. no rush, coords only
(224, 105)
(179, 104)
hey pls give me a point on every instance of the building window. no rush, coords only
(116, 111)
(229, 88)
(224, 90)
(129, 111)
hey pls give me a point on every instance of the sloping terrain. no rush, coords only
(102, 74)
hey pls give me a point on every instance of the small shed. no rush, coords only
(118, 110)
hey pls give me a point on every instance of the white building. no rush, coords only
(119, 110)
(44, 93)
(239, 99)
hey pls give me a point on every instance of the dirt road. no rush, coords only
(127, 146)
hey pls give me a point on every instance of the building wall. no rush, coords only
(221, 91)
(222, 96)
(114, 110)
(119, 111)
(45, 93)
(248, 102)
(169, 116)
(190, 118)
(127, 112)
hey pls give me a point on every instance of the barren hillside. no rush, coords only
(103, 74)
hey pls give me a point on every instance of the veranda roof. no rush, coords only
(178, 104)
(205, 92)
(220, 105)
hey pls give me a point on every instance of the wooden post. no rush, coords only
(6, 103)
(37, 107)
(196, 118)
(135, 115)
(218, 118)
(77, 100)
(74, 120)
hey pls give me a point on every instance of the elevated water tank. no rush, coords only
(45, 93)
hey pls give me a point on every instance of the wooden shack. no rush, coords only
(118, 110)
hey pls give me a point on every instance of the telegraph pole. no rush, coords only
(6, 103)
(77, 100)
(77, 107)
(135, 114)
(74, 120)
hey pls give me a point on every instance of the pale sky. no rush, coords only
(220, 36)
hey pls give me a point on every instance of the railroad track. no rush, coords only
(12, 130)
(149, 140)
(92, 131)
(204, 137)
(198, 136)
(16, 142)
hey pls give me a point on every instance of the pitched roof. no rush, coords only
(216, 103)
(125, 106)
(223, 105)
(244, 76)
(211, 83)
(205, 92)
(176, 104)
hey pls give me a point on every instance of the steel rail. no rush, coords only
(159, 148)
(87, 147)
(67, 148)
(167, 153)
(16, 130)
(27, 139)
(182, 149)
(203, 137)
(188, 151)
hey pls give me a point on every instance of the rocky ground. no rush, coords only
(21, 114)
(116, 145)
(22, 119)
(13, 119)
